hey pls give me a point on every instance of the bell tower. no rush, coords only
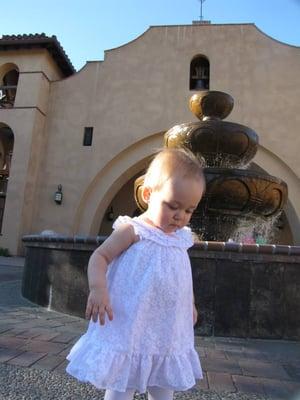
(28, 66)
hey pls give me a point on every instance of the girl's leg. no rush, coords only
(114, 395)
(157, 393)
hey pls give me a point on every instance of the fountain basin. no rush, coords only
(240, 290)
(220, 143)
(234, 197)
(240, 191)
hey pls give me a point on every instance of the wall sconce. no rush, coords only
(58, 195)
(110, 215)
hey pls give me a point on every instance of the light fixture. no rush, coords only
(110, 215)
(58, 195)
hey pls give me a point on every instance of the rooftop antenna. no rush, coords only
(201, 15)
(201, 21)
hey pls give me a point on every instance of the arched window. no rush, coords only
(8, 87)
(199, 73)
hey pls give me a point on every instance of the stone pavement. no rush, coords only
(34, 342)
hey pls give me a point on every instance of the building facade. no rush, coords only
(72, 143)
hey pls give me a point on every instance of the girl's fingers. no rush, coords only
(95, 310)
(102, 316)
(88, 312)
(109, 312)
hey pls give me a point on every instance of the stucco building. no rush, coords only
(93, 131)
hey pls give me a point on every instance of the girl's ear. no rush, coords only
(146, 193)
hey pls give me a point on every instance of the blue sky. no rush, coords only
(85, 28)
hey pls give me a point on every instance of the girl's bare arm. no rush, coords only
(98, 301)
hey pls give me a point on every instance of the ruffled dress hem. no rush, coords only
(136, 371)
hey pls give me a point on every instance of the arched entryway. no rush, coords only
(115, 178)
(6, 151)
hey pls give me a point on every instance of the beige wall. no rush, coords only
(141, 89)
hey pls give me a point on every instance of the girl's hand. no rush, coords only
(195, 314)
(98, 304)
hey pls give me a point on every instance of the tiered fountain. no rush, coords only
(234, 195)
(245, 290)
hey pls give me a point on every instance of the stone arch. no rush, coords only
(6, 151)
(275, 166)
(199, 73)
(9, 76)
(107, 182)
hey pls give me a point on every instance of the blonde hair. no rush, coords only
(170, 162)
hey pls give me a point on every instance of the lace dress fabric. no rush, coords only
(150, 341)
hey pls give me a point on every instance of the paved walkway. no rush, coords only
(34, 342)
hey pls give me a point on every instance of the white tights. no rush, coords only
(154, 393)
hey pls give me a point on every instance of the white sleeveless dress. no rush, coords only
(150, 341)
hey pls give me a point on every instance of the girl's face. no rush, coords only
(172, 206)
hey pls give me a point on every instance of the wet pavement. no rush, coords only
(34, 342)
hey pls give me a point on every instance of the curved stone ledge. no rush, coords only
(64, 239)
(248, 248)
(92, 241)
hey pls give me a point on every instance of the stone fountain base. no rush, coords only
(240, 290)
(247, 290)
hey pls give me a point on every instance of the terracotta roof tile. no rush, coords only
(40, 40)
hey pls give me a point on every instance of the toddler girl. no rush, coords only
(141, 336)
